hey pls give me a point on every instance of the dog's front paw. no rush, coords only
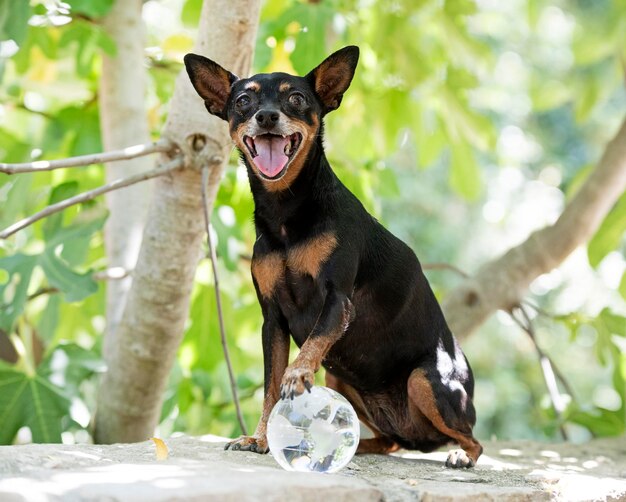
(248, 443)
(295, 382)
(458, 459)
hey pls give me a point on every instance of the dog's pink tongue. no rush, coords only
(271, 156)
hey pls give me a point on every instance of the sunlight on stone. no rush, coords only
(211, 438)
(80, 454)
(590, 464)
(169, 483)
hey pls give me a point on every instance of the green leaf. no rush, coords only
(90, 8)
(14, 292)
(429, 137)
(587, 99)
(465, 175)
(190, 15)
(14, 15)
(463, 124)
(59, 193)
(72, 364)
(262, 52)
(75, 286)
(609, 235)
(49, 319)
(549, 94)
(31, 401)
(88, 38)
(76, 238)
(42, 38)
(603, 423)
(200, 347)
(622, 286)
(612, 323)
(387, 183)
(310, 48)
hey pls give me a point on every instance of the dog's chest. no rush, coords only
(290, 277)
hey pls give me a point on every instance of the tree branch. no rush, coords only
(130, 152)
(502, 283)
(176, 163)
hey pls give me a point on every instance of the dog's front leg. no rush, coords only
(332, 323)
(275, 359)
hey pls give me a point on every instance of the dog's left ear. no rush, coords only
(211, 82)
(332, 78)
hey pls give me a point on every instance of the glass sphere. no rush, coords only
(317, 431)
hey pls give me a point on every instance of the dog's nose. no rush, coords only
(267, 118)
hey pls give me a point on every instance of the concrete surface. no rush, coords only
(199, 469)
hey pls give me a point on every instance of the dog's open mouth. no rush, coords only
(271, 153)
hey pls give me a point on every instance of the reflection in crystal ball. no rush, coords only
(316, 431)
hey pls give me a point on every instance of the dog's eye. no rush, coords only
(296, 99)
(242, 101)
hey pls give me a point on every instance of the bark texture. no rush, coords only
(502, 283)
(129, 400)
(123, 122)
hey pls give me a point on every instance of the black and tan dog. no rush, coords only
(351, 294)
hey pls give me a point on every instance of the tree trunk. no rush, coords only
(503, 282)
(130, 394)
(123, 123)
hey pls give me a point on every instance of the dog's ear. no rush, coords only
(333, 76)
(211, 82)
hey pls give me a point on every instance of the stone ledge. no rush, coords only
(199, 469)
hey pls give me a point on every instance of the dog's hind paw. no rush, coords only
(248, 443)
(459, 459)
(295, 382)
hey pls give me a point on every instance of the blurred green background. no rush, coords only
(468, 125)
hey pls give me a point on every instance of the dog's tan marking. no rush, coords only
(307, 258)
(284, 86)
(313, 351)
(379, 443)
(280, 359)
(237, 135)
(267, 271)
(253, 86)
(422, 397)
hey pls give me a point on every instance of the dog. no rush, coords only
(351, 294)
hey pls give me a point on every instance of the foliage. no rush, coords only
(453, 101)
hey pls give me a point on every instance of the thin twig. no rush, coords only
(555, 368)
(172, 165)
(109, 274)
(444, 266)
(40, 292)
(537, 308)
(130, 152)
(22, 106)
(212, 256)
(547, 367)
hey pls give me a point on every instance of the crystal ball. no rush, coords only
(314, 432)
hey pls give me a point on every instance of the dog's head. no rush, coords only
(274, 118)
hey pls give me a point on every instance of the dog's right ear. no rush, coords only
(211, 82)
